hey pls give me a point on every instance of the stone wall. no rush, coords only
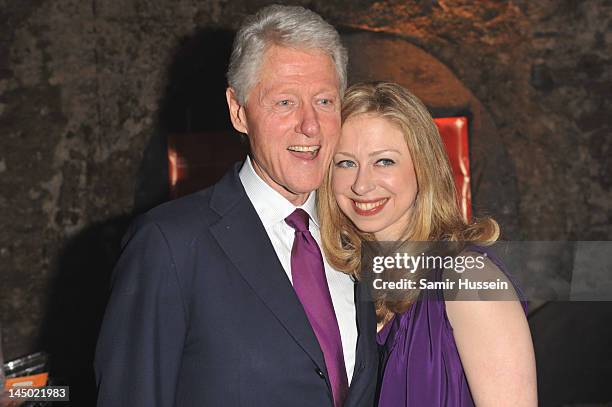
(81, 84)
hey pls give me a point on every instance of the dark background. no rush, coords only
(91, 90)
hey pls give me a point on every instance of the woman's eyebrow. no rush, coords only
(389, 150)
(345, 153)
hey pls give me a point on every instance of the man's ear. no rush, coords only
(236, 111)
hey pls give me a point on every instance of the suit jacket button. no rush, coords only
(320, 373)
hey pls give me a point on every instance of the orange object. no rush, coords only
(37, 380)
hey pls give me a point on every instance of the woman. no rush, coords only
(391, 181)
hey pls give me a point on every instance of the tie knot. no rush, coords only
(298, 220)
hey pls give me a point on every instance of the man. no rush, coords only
(222, 298)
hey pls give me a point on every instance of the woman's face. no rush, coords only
(373, 178)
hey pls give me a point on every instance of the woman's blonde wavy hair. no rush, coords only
(436, 213)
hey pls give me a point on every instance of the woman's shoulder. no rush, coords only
(482, 291)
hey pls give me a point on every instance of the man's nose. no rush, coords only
(364, 182)
(308, 121)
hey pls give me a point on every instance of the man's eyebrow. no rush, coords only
(330, 90)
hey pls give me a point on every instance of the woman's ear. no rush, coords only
(236, 111)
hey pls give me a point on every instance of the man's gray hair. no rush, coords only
(288, 26)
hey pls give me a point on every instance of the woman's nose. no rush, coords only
(364, 182)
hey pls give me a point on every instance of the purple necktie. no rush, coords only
(310, 284)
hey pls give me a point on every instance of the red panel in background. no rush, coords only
(454, 133)
(199, 160)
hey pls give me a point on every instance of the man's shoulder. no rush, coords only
(185, 221)
(179, 221)
(198, 208)
(187, 209)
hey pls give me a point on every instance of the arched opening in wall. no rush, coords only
(483, 174)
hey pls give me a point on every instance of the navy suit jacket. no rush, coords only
(201, 313)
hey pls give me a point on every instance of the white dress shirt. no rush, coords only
(272, 209)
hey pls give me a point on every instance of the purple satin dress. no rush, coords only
(419, 355)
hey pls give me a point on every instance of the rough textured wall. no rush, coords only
(80, 86)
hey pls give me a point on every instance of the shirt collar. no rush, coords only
(271, 206)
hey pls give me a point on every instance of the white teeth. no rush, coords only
(366, 206)
(304, 149)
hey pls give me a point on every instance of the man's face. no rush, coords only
(292, 119)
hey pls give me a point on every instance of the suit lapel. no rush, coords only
(366, 358)
(244, 240)
(360, 351)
